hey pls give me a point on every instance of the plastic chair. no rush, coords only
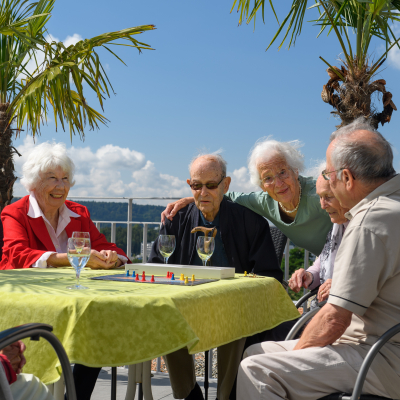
(356, 395)
(35, 331)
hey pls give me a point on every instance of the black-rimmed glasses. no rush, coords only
(208, 185)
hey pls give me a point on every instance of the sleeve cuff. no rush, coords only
(42, 261)
(123, 259)
(10, 373)
(347, 304)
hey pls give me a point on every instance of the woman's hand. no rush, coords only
(324, 290)
(173, 208)
(104, 259)
(111, 258)
(299, 279)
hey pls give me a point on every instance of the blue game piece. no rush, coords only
(133, 274)
(127, 273)
(172, 277)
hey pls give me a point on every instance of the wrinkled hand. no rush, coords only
(101, 260)
(173, 208)
(324, 290)
(300, 278)
(14, 353)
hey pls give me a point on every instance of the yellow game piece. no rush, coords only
(186, 280)
(182, 277)
(192, 278)
(245, 273)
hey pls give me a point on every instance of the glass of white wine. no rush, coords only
(78, 255)
(205, 248)
(166, 246)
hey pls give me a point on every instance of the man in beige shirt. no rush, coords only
(364, 300)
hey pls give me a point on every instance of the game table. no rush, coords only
(122, 323)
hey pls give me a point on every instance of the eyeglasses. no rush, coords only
(270, 180)
(326, 176)
(208, 185)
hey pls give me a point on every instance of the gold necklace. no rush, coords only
(295, 209)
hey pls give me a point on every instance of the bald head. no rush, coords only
(214, 161)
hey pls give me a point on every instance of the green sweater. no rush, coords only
(311, 224)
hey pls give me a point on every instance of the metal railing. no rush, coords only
(130, 223)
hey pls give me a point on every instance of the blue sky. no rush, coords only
(208, 84)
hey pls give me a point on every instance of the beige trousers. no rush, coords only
(272, 370)
(28, 387)
(181, 371)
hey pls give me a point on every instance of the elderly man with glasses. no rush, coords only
(364, 299)
(243, 241)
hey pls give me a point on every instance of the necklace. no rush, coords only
(295, 209)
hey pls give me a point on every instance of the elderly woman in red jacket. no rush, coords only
(37, 228)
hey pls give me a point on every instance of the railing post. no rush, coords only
(98, 226)
(306, 265)
(287, 261)
(129, 230)
(144, 255)
(158, 366)
(113, 232)
(210, 364)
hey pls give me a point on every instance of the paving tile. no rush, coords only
(160, 385)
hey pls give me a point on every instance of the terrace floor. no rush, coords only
(160, 384)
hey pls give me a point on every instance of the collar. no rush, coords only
(215, 222)
(35, 211)
(386, 189)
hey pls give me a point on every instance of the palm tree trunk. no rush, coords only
(7, 151)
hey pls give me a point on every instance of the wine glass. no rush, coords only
(78, 252)
(205, 248)
(166, 246)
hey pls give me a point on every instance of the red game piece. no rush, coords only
(167, 274)
(137, 277)
(143, 277)
(152, 279)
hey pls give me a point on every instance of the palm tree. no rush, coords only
(38, 75)
(355, 23)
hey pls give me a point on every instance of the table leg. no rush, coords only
(140, 391)
(146, 380)
(206, 375)
(114, 383)
(131, 389)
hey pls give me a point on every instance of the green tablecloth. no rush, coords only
(118, 323)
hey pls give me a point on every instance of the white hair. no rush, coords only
(266, 148)
(368, 160)
(44, 157)
(315, 171)
(216, 156)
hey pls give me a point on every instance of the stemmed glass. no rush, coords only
(166, 246)
(80, 235)
(205, 248)
(78, 252)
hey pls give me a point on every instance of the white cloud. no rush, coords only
(75, 38)
(394, 53)
(32, 64)
(394, 57)
(111, 171)
(241, 181)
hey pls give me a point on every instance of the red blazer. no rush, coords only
(26, 239)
